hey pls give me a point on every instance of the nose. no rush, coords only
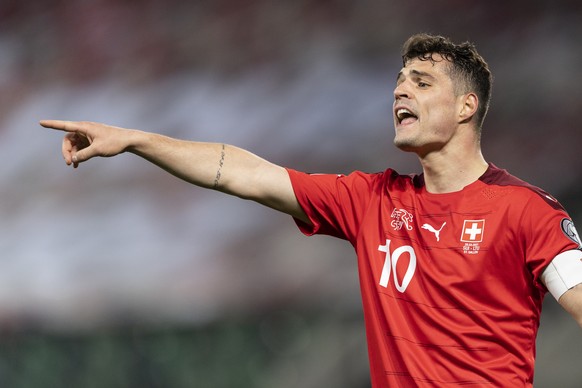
(402, 91)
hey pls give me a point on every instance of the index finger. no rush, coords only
(62, 125)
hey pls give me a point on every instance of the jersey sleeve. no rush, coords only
(334, 203)
(548, 232)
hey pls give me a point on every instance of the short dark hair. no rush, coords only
(469, 70)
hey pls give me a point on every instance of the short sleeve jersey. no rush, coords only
(450, 283)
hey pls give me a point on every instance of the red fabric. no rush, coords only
(462, 309)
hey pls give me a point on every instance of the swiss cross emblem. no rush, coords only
(473, 231)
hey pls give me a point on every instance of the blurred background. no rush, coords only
(119, 275)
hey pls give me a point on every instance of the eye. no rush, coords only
(422, 84)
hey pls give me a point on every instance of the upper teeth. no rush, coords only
(401, 112)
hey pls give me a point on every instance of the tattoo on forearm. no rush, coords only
(220, 164)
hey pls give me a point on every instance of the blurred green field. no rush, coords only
(279, 350)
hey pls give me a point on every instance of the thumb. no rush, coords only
(82, 155)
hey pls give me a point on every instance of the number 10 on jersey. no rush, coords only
(390, 263)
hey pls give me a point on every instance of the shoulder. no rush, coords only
(388, 181)
(521, 190)
(356, 181)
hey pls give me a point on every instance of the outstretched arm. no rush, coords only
(221, 167)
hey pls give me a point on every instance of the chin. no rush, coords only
(404, 145)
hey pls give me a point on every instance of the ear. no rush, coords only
(469, 105)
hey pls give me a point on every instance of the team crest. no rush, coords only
(570, 231)
(473, 231)
(472, 235)
(401, 218)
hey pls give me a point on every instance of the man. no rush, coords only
(453, 263)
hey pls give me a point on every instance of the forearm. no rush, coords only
(221, 167)
(571, 301)
(195, 162)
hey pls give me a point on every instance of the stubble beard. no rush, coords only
(405, 144)
(421, 147)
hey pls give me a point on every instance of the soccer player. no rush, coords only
(453, 263)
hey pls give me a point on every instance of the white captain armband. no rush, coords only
(563, 273)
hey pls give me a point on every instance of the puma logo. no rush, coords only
(433, 230)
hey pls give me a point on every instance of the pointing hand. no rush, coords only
(85, 140)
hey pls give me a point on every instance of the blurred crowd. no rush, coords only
(305, 83)
(532, 47)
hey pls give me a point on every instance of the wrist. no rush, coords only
(138, 142)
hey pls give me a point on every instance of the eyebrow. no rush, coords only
(416, 73)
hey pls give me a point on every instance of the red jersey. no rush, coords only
(450, 282)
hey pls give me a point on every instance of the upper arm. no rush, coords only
(563, 278)
(250, 177)
(571, 301)
(280, 195)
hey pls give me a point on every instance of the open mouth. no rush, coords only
(405, 116)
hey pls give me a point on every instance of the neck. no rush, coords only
(449, 172)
